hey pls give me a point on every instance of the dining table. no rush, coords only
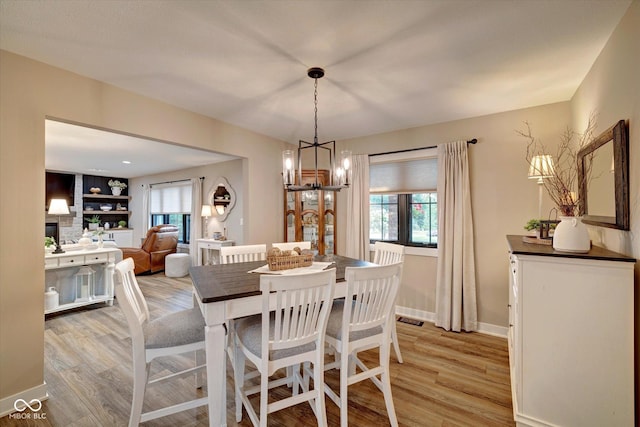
(230, 291)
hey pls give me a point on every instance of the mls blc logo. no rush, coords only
(21, 405)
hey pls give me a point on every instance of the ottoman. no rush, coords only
(177, 265)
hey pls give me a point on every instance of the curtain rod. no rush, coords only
(173, 182)
(471, 141)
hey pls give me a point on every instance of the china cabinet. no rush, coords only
(311, 215)
(570, 336)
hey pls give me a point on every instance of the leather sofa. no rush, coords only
(161, 241)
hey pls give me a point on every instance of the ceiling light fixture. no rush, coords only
(339, 173)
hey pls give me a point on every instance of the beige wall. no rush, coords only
(31, 91)
(230, 170)
(612, 90)
(503, 198)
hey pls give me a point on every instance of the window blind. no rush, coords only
(408, 176)
(173, 198)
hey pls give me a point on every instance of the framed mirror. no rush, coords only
(222, 198)
(603, 178)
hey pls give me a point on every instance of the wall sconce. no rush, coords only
(206, 213)
(58, 207)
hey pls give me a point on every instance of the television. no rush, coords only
(60, 186)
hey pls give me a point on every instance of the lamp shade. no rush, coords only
(206, 211)
(58, 207)
(541, 167)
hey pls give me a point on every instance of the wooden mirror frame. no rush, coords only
(616, 134)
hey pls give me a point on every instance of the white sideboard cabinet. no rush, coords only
(79, 278)
(571, 329)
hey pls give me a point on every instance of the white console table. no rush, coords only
(62, 272)
(570, 336)
(208, 245)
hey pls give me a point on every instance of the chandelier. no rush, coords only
(339, 173)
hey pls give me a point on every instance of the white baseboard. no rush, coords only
(38, 393)
(485, 328)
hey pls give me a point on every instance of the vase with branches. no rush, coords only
(561, 183)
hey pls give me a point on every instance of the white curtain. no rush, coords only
(146, 191)
(456, 307)
(196, 219)
(357, 245)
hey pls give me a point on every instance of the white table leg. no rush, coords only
(216, 374)
(199, 255)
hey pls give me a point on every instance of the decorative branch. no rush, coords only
(562, 186)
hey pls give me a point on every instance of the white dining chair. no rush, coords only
(287, 246)
(385, 254)
(289, 332)
(363, 324)
(170, 335)
(243, 253)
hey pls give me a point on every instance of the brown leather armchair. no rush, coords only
(161, 241)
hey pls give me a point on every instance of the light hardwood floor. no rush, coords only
(447, 379)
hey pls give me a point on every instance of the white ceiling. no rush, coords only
(89, 151)
(389, 64)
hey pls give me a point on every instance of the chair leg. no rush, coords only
(264, 398)
(239, 381)
(394, 338)
(200, 358)
(345, 362)
(318, 385)
(140, 377)
(385, 351)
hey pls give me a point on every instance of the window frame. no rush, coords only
(404, 221)
(184, 236)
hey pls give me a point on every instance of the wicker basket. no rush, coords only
(288, 262)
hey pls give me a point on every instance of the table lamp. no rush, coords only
(541, 167)
(206, 213)
(58, 207)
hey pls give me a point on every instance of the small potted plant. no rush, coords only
(94, 222)
(122, 224)
(49, 244)
(100, 232)
(116, 186)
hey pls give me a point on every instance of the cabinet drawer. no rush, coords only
(72, 260)
(50, 263)
(96, 258)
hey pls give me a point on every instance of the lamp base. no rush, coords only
(58, 249)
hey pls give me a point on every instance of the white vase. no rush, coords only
(571, 235)
(116, 191)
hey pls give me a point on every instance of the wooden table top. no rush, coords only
(214, 283)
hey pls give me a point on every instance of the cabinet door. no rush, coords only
(290, 225)
(123, 238)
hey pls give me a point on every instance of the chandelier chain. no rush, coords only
(315, 110)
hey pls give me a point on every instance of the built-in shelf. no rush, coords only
(105, 196)
(95, 200)
(101, 212)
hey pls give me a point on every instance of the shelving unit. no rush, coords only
(91, 202)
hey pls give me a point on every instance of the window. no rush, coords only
(171, 204)
(403, 203)
(182, 221)
(407, 219)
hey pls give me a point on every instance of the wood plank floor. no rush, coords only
(447, 379)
